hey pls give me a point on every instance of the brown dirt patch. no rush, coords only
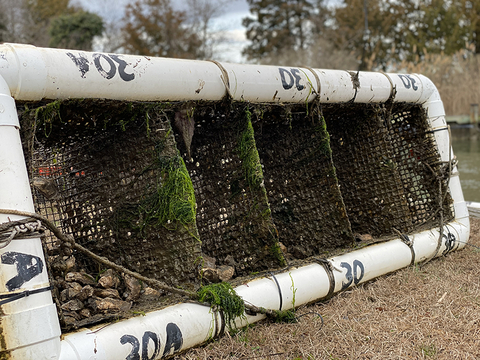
(429, 312)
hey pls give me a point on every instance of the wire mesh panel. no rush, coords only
(110, 175)
(301, 181)
(156, 187)
(418, 164)
(364, 158)
(388, 167)
(233, 214)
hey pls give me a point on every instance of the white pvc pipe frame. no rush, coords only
(30, 325)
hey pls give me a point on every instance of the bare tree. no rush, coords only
(18, 25)
(200, 14)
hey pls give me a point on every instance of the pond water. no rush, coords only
(467, 152)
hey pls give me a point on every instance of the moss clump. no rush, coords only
(170, 199)
(259, 216)
(321, 129)
(249, 155)
(223, 297)
(284, 316)
(277, 252)
(175, 197)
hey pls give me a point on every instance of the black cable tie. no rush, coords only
(436, 130)
(279, 291)
(450, 241)
(297, 318)
(16, 296)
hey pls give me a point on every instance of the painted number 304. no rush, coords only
(140, 351)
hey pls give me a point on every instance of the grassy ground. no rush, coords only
(429, 312)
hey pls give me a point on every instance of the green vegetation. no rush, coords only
(284, 316)
(249, 154)
(76, 30)
(321, 129)
(428, 350)
(224, 298)
(174, 200)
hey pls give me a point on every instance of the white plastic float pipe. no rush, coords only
(34, 73)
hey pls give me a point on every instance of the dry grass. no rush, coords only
(430, 312)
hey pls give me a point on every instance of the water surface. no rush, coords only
(468, 154)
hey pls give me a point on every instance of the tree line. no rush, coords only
(147, 27)
(378, 33)
(373, 34)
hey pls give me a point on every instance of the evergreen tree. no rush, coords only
(400, 30)
(276, 26)
(76, 30)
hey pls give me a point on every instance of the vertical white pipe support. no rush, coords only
(436, 116)
(29, 324)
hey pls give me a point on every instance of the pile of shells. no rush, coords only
(84, 299)
(213, 273)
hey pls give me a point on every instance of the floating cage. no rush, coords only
(212, 177)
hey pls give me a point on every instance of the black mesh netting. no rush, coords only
(417, 162)
(388, 167)
(111, 176)
(233, 215)
(161, 187)
(301, 181)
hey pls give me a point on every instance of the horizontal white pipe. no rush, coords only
(34, 73)
(304, 285)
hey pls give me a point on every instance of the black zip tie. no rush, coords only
(312, 312)
(16, 296)
(436, 130)
(221, 332)
(328, 269)
(279, 290)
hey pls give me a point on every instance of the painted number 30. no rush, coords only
(354, 273)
